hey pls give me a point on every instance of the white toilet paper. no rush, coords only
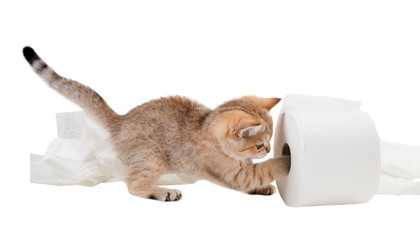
(400, 172)
(334, 148)
(80, 155)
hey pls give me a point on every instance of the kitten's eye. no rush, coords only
(259, 146)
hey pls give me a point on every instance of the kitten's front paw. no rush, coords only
(167, 195)
(269, 190)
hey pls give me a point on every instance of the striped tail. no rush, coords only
(85, 97)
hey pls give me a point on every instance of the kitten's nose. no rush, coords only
(267, 149)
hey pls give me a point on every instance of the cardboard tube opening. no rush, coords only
(286, 152)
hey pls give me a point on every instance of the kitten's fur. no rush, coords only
(179, 135)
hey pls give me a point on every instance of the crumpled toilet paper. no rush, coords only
(400, 169)
(82, 155)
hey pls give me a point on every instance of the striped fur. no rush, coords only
(76, 92)
(179, 135)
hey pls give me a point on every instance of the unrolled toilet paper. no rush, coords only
(400, 172)
(80, 155)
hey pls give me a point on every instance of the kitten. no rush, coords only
(179, 135)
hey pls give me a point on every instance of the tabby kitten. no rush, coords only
(179, 135)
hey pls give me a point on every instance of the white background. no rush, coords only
(212, 51)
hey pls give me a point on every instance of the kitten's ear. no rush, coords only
(266, 103)
(248, 127)
(269, 103)
(249, 131)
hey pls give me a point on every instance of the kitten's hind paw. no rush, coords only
(138, 188)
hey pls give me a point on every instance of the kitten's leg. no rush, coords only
(277, 171)
(268, 171)
(142, 176)
(141, 187)
(252, 178)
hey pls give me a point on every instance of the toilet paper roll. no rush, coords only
(334, 149)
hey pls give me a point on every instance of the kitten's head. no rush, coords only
(244, 127)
